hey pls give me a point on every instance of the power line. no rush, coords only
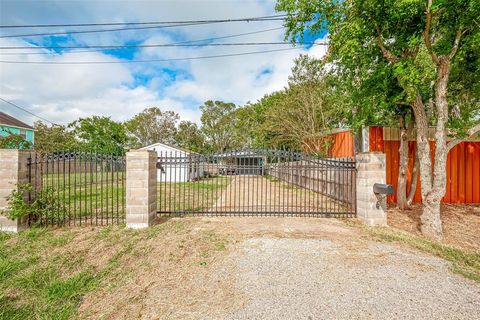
(160, 45)
(25, 110)
(149, 60)
(181, 42)
(136, 28)
(137, 23)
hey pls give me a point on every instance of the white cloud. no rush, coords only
(63, 93)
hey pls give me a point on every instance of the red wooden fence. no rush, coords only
(463, 163)
(340, 142)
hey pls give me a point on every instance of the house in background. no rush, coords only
(246, 162)
(10, 125)
(177, 164)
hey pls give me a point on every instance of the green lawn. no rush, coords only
(49, 273)
(194, 196)
(86, 198)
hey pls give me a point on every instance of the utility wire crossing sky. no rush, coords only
(74, 59)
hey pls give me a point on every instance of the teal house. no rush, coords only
(10, 125)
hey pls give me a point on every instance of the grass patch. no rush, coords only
(464, 263)
(61, 273)
(193, 196)
(41, 280)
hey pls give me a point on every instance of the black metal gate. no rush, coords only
(78, 188)
(255, 182)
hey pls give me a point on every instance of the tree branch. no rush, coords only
(470, 133)
(386, 53)
(456, 44)
(426, 33)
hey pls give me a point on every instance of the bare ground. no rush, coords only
(461, 224)
(273, 268)
(261, 194)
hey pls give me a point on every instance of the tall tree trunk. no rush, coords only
(431, 223)
(431, 220)
(402, 165)
(413, 183)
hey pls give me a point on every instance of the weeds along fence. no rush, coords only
(78, 188)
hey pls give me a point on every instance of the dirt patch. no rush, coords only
(261, 194)
(176, 270)
(461, 224)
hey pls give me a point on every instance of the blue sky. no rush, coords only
(63, 93)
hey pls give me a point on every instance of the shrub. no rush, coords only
(45, 202)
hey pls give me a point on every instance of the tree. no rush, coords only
(14, 141)
(422, 44)
(252, 118)
(152, 126)
(218, 124)
(302, 112)
(100, 134)
(190, 137)
(302, 115)
(306, 70)
(53, 138)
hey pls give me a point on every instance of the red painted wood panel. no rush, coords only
(476, 173)
(462, 168)
(342, 145)
(448, 193)
(469, 154)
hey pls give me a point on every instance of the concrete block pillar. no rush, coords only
(13, 171)
(371, 169)
(141, 188)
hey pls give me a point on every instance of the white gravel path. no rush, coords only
(291, 278)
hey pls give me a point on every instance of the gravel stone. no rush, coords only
(290, 278)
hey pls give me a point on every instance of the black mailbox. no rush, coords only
(382, 188)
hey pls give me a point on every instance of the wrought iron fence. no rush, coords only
(78, 188)
(255, 182)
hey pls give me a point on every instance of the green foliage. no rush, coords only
(306, 110)
(152, 126)
(53, 138)
(100, 134)
(253, 116)
(14, 141)
(19, 207)
(218, 125)
(376, 88)
(189, 136)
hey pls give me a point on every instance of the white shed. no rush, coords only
(177, 164)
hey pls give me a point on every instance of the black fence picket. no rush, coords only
(77, 188)
(255, 182)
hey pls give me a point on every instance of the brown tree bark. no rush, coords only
(402, 165)
(413, 184)
(431, 223)
(433, 182)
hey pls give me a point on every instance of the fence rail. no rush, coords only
(78, 188)
(254, 182)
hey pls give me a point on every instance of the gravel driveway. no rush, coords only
(331, 272)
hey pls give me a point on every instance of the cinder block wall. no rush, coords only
(141, 188)
(13, 171)
(371, 169)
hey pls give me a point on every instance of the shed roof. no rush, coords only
(168, 146)
(8, 120)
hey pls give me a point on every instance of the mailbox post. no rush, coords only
(381, 191)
